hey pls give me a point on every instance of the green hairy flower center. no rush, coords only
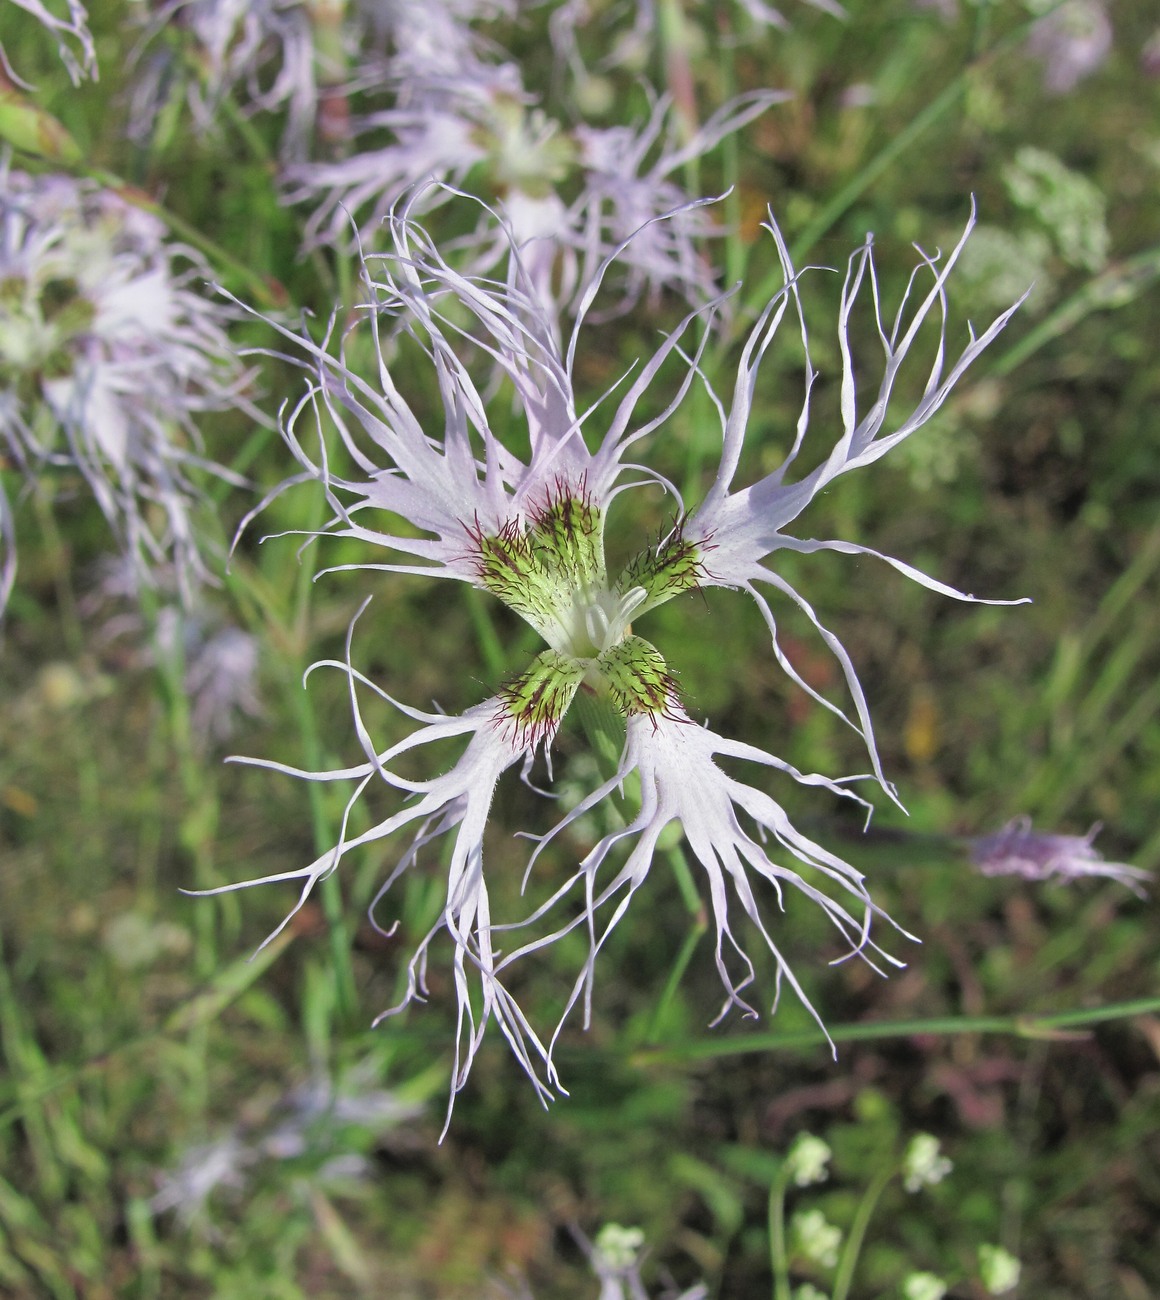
(550, 569)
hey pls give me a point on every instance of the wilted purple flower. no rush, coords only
(220, 671)
(217, 662)
(106, 355)
(221, 679)
(75, 27)
(1017, 850)
(529, 530)
(1072, 42)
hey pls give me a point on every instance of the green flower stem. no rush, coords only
(604, 727)
(677, 76)
(685, 882)
(700, 923)
(1055, 1025)
(289, 630)
(330, 890)
(735, 250)
(862, 1217)
(249, 134)
(778, 1254)
(61, 569)
(1117, 286)
(491, 647)
(197, 827)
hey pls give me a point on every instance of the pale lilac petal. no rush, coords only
(681, 781)
(73, 28)
(740, 529)
(456, 803)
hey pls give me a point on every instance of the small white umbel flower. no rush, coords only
(528, 530)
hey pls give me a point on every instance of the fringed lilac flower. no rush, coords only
(303, 57)
(628, 184)
(485, 123)
(529, 530)
(106, 356)
(263, 52)
(74, 28)
(737, 530)
(441, 128)
(1017, 850)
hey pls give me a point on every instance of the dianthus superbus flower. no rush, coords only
(529, 531)
(106, 356)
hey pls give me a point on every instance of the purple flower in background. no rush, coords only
(220, 671)
(528, 529)
(106, 356)
(301, 56)
(74, 28)
(628, 184)
(442, 128)
(1071, 42)
(263, 51)
(622, 178)
(1017, 850)
(316, 1123)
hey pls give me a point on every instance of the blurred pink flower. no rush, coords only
(1017, 850)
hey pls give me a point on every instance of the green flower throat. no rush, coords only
(550, 569)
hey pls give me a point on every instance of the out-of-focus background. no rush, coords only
(178, 1120)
